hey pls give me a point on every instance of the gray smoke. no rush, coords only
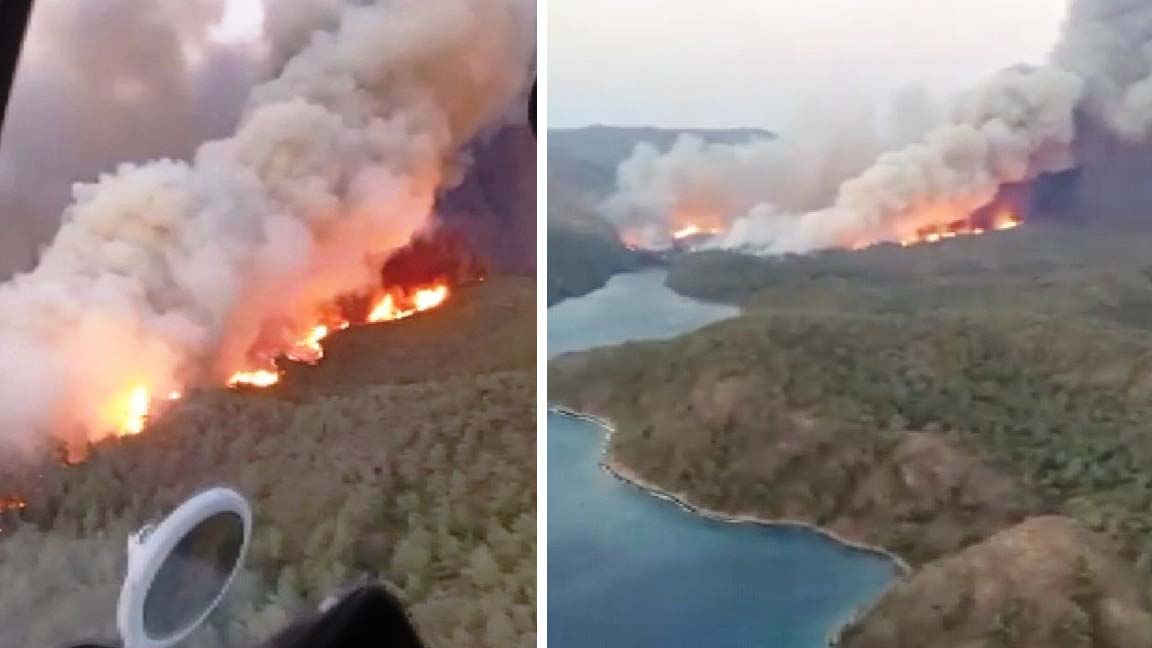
(704, 184)
(87, 97)
(164, 273)
(1108, 43)
(1014, 127)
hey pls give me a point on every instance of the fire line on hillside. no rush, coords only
(693, 236)
(391, 305)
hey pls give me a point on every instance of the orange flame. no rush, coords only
(129, 414)
(694, 230)
(387, 308)
(256, 378)
(1007, 220)
(384, 310)
(309, 349)
(393, 305)
(135, 407)
(138, 403)
(12, 503)
(1003, 220)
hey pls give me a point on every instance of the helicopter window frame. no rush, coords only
(14, 18)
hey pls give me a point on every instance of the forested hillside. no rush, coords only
(935, 401)
(408, 456)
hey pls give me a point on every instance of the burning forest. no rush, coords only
(291, 310)
(391, 305)
(169, 276)
(982, 162)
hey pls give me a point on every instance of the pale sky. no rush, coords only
(717, 63)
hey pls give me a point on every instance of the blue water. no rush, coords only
(634, 306)
(626, 569)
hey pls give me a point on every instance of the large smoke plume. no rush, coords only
(703, 183)
(1018, 125)
(1108, 43)
(164, 273)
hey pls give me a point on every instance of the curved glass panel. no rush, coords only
(193, 575)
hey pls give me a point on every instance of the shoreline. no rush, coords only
(628, 476)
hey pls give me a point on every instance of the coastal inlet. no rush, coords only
(626, 568)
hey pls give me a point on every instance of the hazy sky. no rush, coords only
(87, 97)
(754, 62)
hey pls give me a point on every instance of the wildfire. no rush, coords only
(309, 349)
(136, 406)
(387, 308)
(1009, 222)
(12, 503)
(136, 414)
(1002, 220)
(693, 230)
(393, 305)
(256, 378)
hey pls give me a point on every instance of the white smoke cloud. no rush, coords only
(164, 273)
(1018, 124)
(710, 184)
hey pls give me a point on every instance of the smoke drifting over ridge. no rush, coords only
(1016, 126)
(703, 183)
(164, 273)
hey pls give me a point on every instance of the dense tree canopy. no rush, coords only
(422, 477)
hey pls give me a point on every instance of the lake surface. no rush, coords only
(626, 569)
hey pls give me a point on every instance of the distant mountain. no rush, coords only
(605, 147)
(577, 175)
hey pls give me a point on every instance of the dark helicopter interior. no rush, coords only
(14, 15)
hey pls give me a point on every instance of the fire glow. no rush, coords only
(387, 310)
(689, 231)
(255, 378)
(137, 405)
(1003, 220)
(392, 305)
(12, 503)
(139, 402)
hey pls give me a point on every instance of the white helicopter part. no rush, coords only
(180, 569)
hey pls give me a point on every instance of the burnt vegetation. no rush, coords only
(407, 468)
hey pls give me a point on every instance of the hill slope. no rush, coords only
(408, 455)
(927, 400)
